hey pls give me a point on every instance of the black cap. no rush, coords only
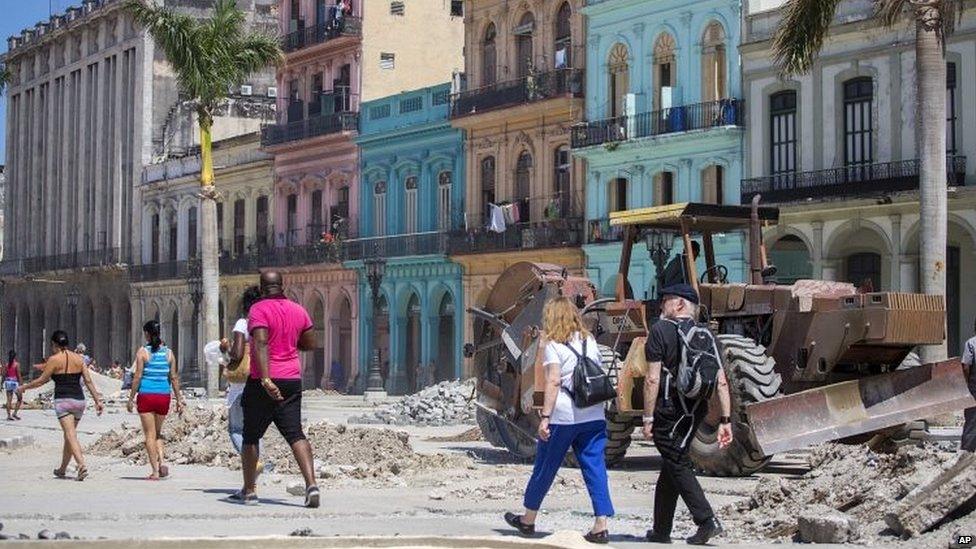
(681, 290)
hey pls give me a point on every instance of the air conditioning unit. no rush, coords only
(272, 91)
(245, 90)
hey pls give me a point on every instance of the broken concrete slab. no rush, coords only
(931, 501)
(822, 524)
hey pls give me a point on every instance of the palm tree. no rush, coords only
(210, 56)
(4, 78)
(796, 44)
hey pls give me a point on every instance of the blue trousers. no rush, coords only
(588, 441)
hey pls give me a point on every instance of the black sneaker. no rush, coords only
(240, 498)
(515, 521)
(706, 531)
(312, 497)
(654, 537)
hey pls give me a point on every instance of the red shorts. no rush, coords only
(149, 403)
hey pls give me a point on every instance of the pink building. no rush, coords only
(337, 56)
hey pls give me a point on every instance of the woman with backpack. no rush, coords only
(565, 343)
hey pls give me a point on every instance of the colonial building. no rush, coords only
(835, 149)
(166, 286)
(524, 87)
(664, 121)
(413, 196)
(91, 101)
(336, 57)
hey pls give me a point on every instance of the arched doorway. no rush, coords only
(791, 257)
(412, 335)
(489, 61)
(382, 340)
(446, 368)
(523, 45)
(713, 66)
(619, 79)
(523, 183)
(341, 344)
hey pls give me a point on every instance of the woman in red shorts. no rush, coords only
(156, 377)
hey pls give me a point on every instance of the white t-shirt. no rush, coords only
(236, 389)
(565, 413)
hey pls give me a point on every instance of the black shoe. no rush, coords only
(654, 537)
(601, 538)
(515, 521)
(706, 531)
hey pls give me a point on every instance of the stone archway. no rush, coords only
(792, 258)
(412, 338)
(445, 368)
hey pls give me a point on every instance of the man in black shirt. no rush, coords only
(675, 272)
(662, 421)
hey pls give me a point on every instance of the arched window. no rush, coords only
(563, 45)
(713, 184)
(618, 194)
(561, 177)
(713, 63)
(172, 236)
(261, 222)
(523, 180)
(239, 226)
(191, 232)
(619, 79)
(664, 188)
(665, 76)
(487, 184)
(410, 205)
(782, 132)
(523, 45)
(444, 180)
(379, 208)
(154, 239)
(858, 126)
(863, 269)
(292, 219)
(489, 63)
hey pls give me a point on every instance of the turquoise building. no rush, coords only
(412, 193)
(664, 121)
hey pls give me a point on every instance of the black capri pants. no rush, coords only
(260, 410)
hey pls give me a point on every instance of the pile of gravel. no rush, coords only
(447, 403)
(342, 453)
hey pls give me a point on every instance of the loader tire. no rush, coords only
(752, 378)
(619, 426)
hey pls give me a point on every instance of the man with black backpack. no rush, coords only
(684, 370)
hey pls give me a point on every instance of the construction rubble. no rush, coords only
(846, 496)
(447, 403)
(357, 454)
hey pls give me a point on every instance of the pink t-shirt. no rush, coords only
(285, 321)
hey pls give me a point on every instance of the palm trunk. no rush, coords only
(930, 85)
(209, 252)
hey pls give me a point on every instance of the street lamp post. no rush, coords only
(659, 244)
(194, 284)
(375, 269)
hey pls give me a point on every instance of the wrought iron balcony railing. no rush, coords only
(536, 87)
(166, 270)
(313, 126)
(848, 181)
(105, 257)
(428, 243)
(599, 231)
(551, 233)
(320, 34)
(713, 114)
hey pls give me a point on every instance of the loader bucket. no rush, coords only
(859, 406)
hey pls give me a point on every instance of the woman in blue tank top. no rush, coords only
(156, 377)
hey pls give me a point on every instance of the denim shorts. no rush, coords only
(10, 385)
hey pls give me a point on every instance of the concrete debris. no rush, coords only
(304, 532)
(932, 501)
(843, 498)
(343, 453)
(295, 488)
(822, 524)
(447, 403)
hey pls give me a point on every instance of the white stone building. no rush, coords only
(835, 148)
(90, 103)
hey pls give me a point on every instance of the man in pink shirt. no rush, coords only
(279, 329)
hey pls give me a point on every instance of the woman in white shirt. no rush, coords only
(565, 426)
(238, 370)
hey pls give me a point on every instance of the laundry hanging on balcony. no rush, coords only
(496, 218)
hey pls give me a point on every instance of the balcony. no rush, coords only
(320, 34)
(166, 270)
(313, 126)
(599, 231)
(551, 233)
(105, 257)
(532, 88)
(428, 243)
(850, 181)
(699, 116)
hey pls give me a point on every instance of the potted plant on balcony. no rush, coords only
(329, 246)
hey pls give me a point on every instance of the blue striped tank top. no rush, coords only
(155, 373)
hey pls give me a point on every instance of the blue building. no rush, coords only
(664, 120)
(412, 167)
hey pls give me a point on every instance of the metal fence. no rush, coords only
(535, 87)
(313, 126)
(725, 112)
(319, 34)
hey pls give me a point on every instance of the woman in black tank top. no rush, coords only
(67, 369)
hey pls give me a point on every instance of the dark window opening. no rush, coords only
(782, 132)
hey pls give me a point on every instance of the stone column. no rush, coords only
(897, 284)
(831, 269)
(908, 267)
(817, 253)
